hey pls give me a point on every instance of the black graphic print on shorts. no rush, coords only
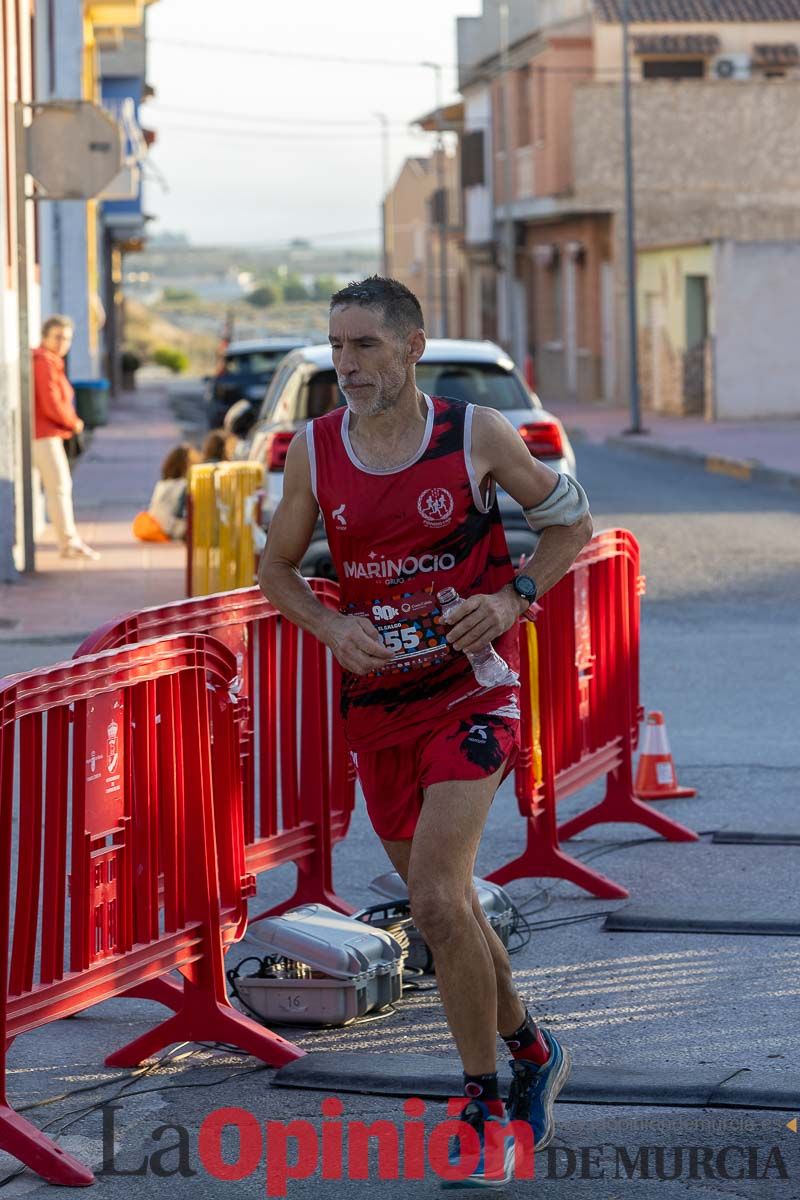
(481, 741)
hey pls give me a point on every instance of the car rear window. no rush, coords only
(477, 383)
(257, 362)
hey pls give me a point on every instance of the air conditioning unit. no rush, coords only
(731, 66)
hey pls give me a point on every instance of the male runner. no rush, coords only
(406, 486)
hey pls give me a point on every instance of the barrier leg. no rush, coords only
(33, 1148)
(620, 804)
(203, 1018)
(535, 787)
(316, 793)
(164, 991)
(541, 860)
(310, 889)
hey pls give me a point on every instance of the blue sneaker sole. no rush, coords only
(480, 1181)
(549, 1099)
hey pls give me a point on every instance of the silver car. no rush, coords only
(305, 386)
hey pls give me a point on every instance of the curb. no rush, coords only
(746, 470)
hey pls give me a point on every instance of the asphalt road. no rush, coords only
(720, 659)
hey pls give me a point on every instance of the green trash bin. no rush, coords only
(91, 401)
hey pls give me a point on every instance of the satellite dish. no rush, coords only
(74, 149)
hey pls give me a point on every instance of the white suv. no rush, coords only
(305, 387)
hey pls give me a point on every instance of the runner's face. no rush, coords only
(371, 362)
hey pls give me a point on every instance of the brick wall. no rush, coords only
(713, 160)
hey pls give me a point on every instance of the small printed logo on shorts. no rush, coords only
(478, 733)
(435, 506)
(339, 517)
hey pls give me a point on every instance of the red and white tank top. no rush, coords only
(397, 537)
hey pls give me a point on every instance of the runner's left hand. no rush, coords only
(481, 619)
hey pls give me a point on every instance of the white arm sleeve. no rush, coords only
(565, 505)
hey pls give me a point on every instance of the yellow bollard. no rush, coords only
(222, 537)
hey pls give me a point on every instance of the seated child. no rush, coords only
(165, 518)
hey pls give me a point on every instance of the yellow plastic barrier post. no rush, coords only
(533, 685)
(204, 528)
(222, 537)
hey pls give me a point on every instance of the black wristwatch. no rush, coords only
(524, 586)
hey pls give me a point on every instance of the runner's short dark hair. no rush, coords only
(399, 307)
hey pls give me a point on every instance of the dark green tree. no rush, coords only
(263, 296)
(294, 288)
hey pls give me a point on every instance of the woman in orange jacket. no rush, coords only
(55, 421)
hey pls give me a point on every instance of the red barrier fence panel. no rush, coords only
(129, 862)
(609, 568)
(543, 857)
(299, 786)
(588, 648)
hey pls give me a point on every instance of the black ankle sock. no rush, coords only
(481, 1087)
(527, 1041)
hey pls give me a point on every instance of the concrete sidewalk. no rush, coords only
(65, 599)
(764, 451)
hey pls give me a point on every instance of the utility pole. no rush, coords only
(442, 190)
(630, 242)
(26, 429)
(509, 251)
(385, 224)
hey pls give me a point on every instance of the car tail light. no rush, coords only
(543, 439)
(275, 450)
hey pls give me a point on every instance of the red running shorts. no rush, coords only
(469, 741)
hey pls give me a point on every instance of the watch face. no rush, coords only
(525, 586)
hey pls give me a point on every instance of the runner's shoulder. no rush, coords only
(297, 465)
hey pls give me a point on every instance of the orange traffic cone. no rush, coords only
(655, 776)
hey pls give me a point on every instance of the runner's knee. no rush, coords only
(439, 910)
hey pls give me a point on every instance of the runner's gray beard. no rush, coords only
(378, 405)
(389, 388)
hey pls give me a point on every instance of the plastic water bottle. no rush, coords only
(490, 669)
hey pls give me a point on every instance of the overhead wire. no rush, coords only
(477, 69)
(295, 55)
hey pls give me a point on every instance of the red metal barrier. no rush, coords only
(588, 641)
(299, 783)
(129, 861)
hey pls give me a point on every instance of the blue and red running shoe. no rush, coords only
(495, 1169)
(534, 1089)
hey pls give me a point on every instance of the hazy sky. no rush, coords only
(255, 145)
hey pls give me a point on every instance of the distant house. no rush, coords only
(715, 98)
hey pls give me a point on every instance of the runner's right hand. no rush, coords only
(356, 644)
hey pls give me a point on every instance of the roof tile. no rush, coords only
(689, 11)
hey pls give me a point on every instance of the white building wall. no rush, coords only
(478, 202)
(757, 350)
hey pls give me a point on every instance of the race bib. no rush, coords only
(411, 626)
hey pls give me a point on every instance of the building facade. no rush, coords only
(72, 261)
(16, 58)
(412, 238)
(92, 51)
(543, 171)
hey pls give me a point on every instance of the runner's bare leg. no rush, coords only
(472, 968)
(510, 1008)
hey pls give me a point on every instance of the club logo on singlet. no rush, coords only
(435, 506)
